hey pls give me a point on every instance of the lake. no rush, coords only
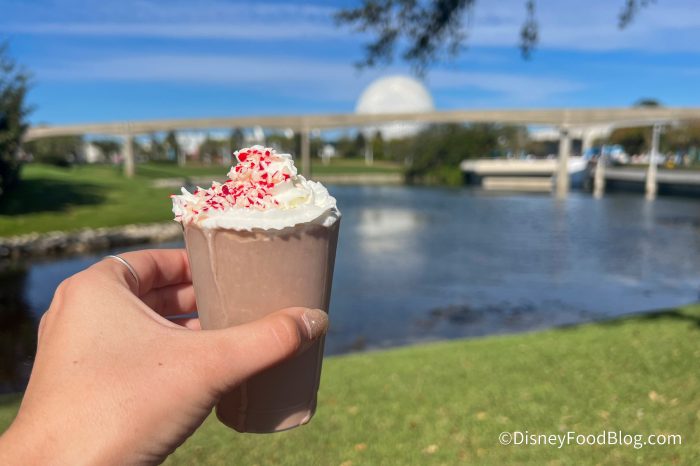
(418, 264)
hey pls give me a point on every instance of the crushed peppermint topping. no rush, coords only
(259, 181)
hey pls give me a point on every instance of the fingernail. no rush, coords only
(316, 322)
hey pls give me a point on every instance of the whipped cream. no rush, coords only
(263, 190)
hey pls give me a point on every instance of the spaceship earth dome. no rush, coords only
(395, 94)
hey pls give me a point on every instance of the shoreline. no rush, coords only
(66, 243)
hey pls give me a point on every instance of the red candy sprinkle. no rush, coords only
(249, 185)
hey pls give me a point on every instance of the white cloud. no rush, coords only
(160, 10)
(278, 75)
(517, 87)
(307, 78)
(249, 30)
(172, 19)
(668, 25)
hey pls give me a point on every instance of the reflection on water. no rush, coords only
(387, 238)
(417, 264)
(17, 330)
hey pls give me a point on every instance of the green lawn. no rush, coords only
(336, 167)
(353, 166)
(169, 170)
(51, 198)
(447, 403)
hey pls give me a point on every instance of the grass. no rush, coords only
(336, 167)
(447, 403)
(354, 166)
(51, 198)
(169, 170)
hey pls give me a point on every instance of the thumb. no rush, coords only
(236, 353)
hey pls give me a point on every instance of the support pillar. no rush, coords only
(562, 188)
(305, 153)
(181, 154)
(651, 187)
(587, 141)
(129, 155)
(599, 179)
(181, 158)
(369, 154)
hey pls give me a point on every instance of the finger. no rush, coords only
(155, 268)
(236, 353)
(192, 324)
(171, 300)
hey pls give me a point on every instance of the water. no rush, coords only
(420, 264)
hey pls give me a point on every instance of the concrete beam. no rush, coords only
(577, 117)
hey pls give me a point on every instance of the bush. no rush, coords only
(9, 171)
(14, 83)
(61, 151)
(438, 150)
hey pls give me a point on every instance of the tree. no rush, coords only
(172, 147)
(14, 84)
(438, 150)
(434, 28)
(62, 151)
(237, 139)
(344, 146)
(683, 138)
(647, 102)
(107, 146)
(512, 140)
(359, 145)
(633, 140)
(210, 150)
(279, 141)
(156, 148)
(378, 146)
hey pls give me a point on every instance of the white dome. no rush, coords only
(395, 94)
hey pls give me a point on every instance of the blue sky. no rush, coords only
(142, 59)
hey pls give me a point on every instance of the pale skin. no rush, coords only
(115, 382)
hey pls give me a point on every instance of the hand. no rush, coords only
(114, 382)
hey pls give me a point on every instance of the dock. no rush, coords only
(639, 175)
(538, 175)
(535, 175)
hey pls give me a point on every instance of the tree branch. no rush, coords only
(630, 11)
(436, 28)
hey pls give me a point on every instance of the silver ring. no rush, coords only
(128, 266)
